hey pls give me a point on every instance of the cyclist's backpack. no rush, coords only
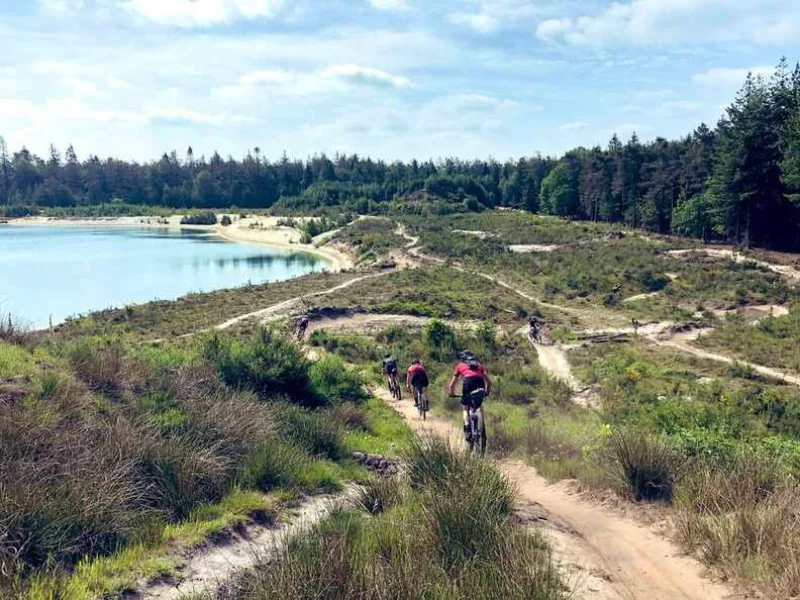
(474, 363)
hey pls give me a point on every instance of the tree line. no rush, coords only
(739, 181)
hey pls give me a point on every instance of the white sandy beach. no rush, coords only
(252, 230)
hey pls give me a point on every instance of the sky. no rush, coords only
(392, 79)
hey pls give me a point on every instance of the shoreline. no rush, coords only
(262, 231)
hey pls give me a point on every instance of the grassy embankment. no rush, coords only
(195, 312)
(113, 458)
(585, 269)
(774, 341)
(371, 238)
(447, 531)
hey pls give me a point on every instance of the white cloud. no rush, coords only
(682, 106)
(336, 78)
(13, 108)
(172, 114)
(730, 78)
(353, 73)
(80, 87)
(574, 126)
(202, 13)
(480, 22)
(61, 6)
(389, 4)
(115, 83)
(652, 22)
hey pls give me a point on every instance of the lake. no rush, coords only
(60, 272)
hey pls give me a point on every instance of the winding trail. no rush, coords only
(603, 555)
(787, 271)
(205, 569)
(282, 309)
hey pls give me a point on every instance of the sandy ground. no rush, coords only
(254, 230)
(207, 568)
(603, 555)
(523, 248)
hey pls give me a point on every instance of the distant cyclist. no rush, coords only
(475, 386)
(301, 326)
(389, 368)
(535, 329)
(417, 378)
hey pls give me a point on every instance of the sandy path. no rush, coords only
(211, 566)
(603, 556)
(680, 342)
(284, 308)
(526, 248)
(785, 270)
(639, 297)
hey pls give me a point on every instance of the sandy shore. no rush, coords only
(252, 230)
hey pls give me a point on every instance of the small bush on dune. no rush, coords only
(334, 382)
(100, 365)
(644, 465)
(312, 431)
(267, 365)
(745, 518)
(274, 465)
(14, 332)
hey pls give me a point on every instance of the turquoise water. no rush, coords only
(65, 271)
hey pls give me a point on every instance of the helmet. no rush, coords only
(466, 355)
(416, 361)
(388, 355)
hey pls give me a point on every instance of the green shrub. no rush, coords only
(313, 431)
(645, 465)
(203, 218)
(334, 382)
(266, 365)
(226, 221)
(439, 340)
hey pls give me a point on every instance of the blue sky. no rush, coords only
(386, 78)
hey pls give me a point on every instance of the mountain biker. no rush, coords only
(417, 378)
(475, 386)
(301, 326)
(389, 368)
(535, 329)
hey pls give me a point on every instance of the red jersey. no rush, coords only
(464, 370)
(416, 368)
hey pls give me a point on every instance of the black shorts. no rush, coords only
(419, 380)
(473, 392)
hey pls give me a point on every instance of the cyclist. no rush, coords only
(389, 368)
(417, 378)
(475, 386)
(535, 329)
(301, 326)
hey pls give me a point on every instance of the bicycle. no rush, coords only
(423, 404)
(476, 438)
(394, 387)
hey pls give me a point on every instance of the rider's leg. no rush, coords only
(465, 412)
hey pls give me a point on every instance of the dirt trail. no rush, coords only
(680, 342)
(282, 309)
(209, 567)
(603, 555)
(787, 271)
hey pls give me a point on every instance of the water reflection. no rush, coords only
(62, 271)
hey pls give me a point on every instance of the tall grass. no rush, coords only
(746, 519)
(109, 444)
(447, 533)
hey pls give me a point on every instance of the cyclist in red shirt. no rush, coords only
(475, 387)
(417, 378)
